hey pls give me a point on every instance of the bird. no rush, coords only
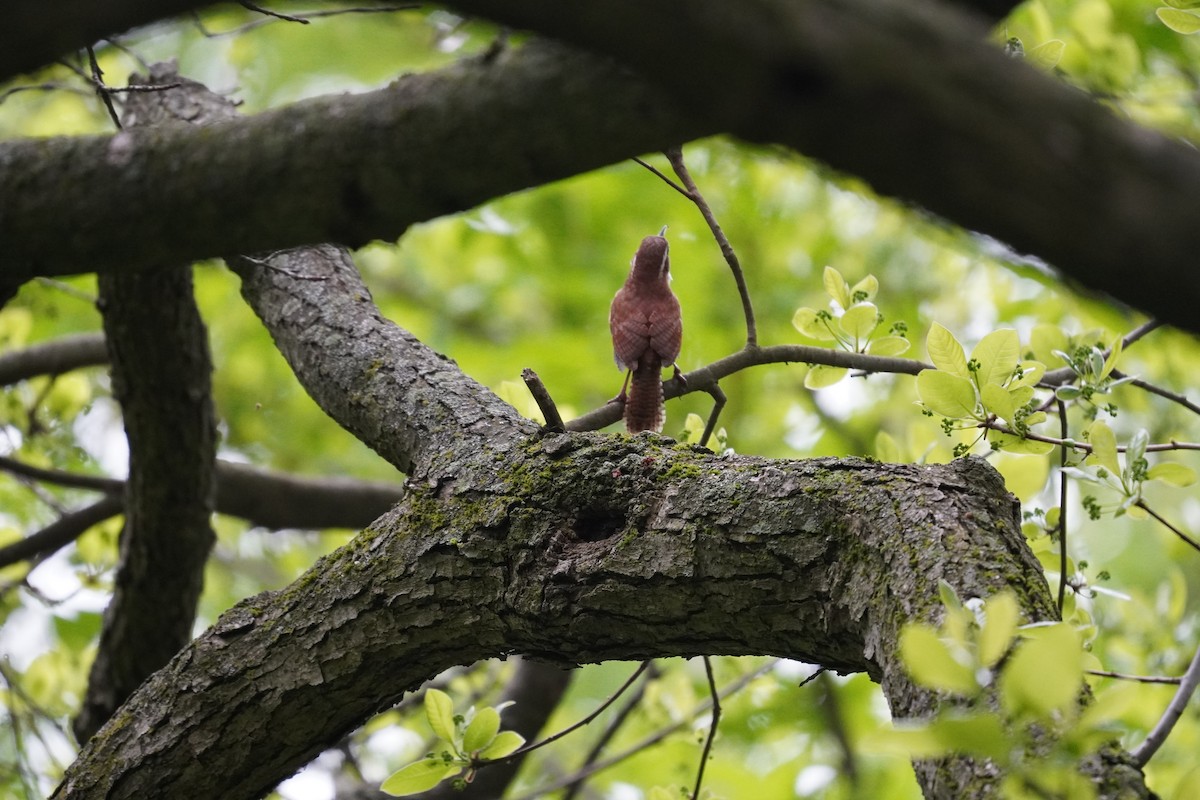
(647, 333)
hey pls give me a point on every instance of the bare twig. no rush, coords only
(544, 401)
(610, 730)
(712, 726)
(675, 156)
(53, 357)
(101, 89)
(1100, 673)
(665, 178)
(1173, 529)
(1062, 507)
(651, 740)
(702, 378)
(583, 722)
(304, 18)
(1161, 392)
(1187, 686)
(61, 532)
(270, 13)
(718, 396)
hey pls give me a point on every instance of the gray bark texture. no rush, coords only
(570, 548)
(578, 547)
(904, 94)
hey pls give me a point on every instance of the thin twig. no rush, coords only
(712, 725)
(269, 13)
(302, 18)
(1161, 392)
(1100, 673)
(61, 532)
(665, 178)
(61, 477)
(583, 722)
(675, 156)
(1187, 685)
(610, 730)
(1062, 508)
(651, 740)
(719, 399)
(544, 401)
(101, 89)
(1142, 505)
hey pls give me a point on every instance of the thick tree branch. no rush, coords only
(264, 498)
(162, 377)
(906, 95)
(571, 548)
(347, 169)
(408, 403)
(53, 358)
(581, 548)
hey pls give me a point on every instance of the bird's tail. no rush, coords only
(644, 406)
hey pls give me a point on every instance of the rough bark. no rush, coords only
(40, 34)
(345, 168)
(907, 96)
(901, 93)
(570, 548)
(162, 377)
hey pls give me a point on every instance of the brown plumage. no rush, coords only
(647, 331)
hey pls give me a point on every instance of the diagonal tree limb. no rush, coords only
(411, 405)
(571, 548)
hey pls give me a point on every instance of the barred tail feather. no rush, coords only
(644, 406)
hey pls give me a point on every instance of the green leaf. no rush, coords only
(888, 346)
(1046, 339)
(946, 394)
(439, 710)
(886, 449)
(821, 376)
(1104, 448)
(999, 629)
(860, 320)
(1110, 363)
(1179, 21)
(482, 729)
(945, 352)
(997, 355)
(1182, 4)
(932, 664)
(867, 287)
(812, 325)
(1047, 54)
(1031, 373)
(1018, 445)
(419, 777)
(980, 734)
(505, 744)
(998, 401)
(836, 286)
(1045, 672)
(1172, 473)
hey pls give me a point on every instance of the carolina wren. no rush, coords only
(647, 331)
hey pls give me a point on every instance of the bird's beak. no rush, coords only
(663, 232)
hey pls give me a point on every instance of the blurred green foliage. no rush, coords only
(525, 281)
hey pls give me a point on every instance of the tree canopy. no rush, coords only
(276, 494)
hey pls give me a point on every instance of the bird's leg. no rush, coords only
(621, 396)
(679, 376)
